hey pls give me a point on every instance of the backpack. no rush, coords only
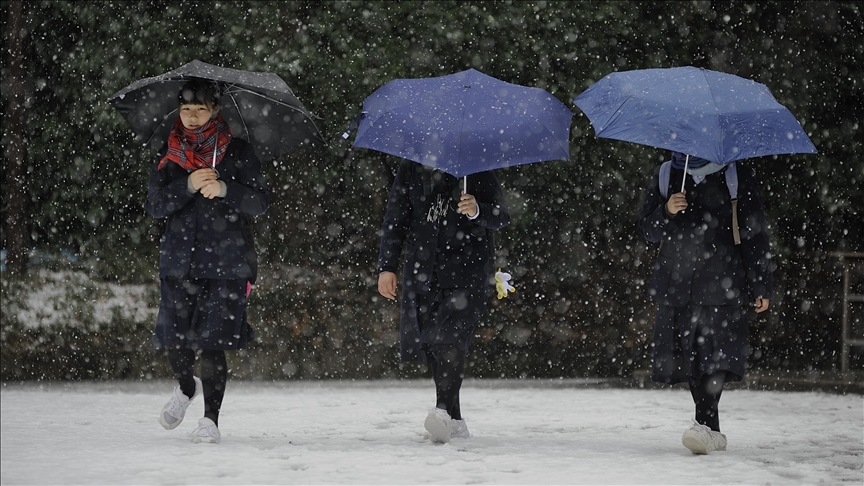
(731, 183)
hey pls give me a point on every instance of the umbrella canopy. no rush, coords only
(259, 107)
(464, 123)
(716, 116)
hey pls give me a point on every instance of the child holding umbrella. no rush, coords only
(207, 185)
(714, 259)
(447, 235)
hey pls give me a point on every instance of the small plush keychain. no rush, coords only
(502, 284)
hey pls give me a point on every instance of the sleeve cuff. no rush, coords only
(476, 215)
(667, 213)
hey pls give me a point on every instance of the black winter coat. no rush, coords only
(453, 250)
(698, 261)
(209, 238)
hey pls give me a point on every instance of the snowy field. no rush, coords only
(524, 432)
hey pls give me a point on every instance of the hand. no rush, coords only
(467, 205)
(387, 285)
(677, 203)
(202, 177)
(211, 189)
(761, 305)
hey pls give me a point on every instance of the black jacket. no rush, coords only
(209, 238)
(698, 261)
(452, 250)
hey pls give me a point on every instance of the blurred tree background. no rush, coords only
(579, 266)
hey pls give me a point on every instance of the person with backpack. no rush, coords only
(714, 260)
(446, 231)
(207, 185)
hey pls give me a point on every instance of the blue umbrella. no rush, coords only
(464, 123)
(716, 116)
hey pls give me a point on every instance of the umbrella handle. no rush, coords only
(684, 179)
(465, 184)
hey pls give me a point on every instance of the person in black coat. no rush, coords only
(207, 185)
(702, 282)
(447, 236)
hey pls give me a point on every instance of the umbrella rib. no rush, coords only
(160, 124)
(237, 89)
(242, 120)
(278, 102)
(714, 102)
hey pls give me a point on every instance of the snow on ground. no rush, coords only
(524, 432)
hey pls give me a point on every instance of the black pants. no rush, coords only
(214, 377)
(447, 365)
(706, 396)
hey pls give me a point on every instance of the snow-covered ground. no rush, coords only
(524, 432)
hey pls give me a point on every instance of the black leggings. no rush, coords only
(214, 376)
(706, 396)
(447, 365)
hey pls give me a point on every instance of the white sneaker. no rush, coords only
(174, 411)
(206, 432)
(458, 430)
(438, 425)
(701, 440)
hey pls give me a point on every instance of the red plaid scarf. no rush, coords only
(193, 149)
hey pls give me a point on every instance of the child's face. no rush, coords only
(194, 116)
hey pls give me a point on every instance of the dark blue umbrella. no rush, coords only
(464, 123)
(716, 116)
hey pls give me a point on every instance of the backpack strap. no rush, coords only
(732, 184)
(663, 178)
(732, 180)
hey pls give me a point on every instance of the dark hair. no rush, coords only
(199, 92)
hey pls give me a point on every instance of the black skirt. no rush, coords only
(697, 340)
(445, 316)
(202, 314)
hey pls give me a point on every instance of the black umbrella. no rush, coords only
(259, 107)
